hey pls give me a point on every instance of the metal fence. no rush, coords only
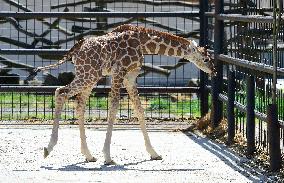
(242, 39)
(37, 33)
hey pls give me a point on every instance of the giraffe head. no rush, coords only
(200, 57)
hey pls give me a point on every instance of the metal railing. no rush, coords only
(238, 63)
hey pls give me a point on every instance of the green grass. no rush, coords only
(23, 106)
(98, 102)
(17, 100)
(180, 107)
(23, 100)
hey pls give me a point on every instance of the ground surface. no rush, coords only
(187, 158)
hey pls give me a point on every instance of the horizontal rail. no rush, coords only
(99, 89)
(245, 18)
(242, 108)
(242, 18)
(4, 14)
(33, 51)
(250, 65)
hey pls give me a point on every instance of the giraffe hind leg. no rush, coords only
(61, 95)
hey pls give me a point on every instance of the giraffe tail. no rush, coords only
(65, 58)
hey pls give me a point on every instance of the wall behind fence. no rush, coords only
(28, 42)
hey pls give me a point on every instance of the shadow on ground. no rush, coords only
(239, 164)
(126, 167)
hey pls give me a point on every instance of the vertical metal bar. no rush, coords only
(12, 105)
(204, 7)
(101, 21)
(28, 104)
(250, 115)
(273, 129)
(36, 104)
(89, 107)
(1, 104)
(217, 106)
(274, 54)
(44, 105)
(52, 106)
(20, 105)
(230, 107)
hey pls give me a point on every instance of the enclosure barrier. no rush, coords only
(203, 41)
(96, 13)
(252, 68)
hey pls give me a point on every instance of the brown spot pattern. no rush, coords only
(133, 43)
(179, 51)
(162, 49)
(151, 46)
(171, 52)
(123, 44)
(131, 51)
(126, 61)
(175, 43)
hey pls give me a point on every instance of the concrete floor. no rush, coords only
(186, 158)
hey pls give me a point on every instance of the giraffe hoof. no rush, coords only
(91, 160)
(45, 153)
(110, 162)
(156, 158)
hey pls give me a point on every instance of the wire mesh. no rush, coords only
(62, 33)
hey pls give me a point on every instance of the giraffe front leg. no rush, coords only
(117, 80)
(114, 102)
(130, 84)
(80, 111)
(141, 118)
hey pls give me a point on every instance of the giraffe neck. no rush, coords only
(164, 45)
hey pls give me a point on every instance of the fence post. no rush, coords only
(217, 106)
(230, 107)
(273, 130)
(250, 124)
(204, 7)
(101, 21)
(273, 126)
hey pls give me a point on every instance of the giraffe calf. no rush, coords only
(118, 54)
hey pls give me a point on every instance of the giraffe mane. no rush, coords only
(128, 27)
